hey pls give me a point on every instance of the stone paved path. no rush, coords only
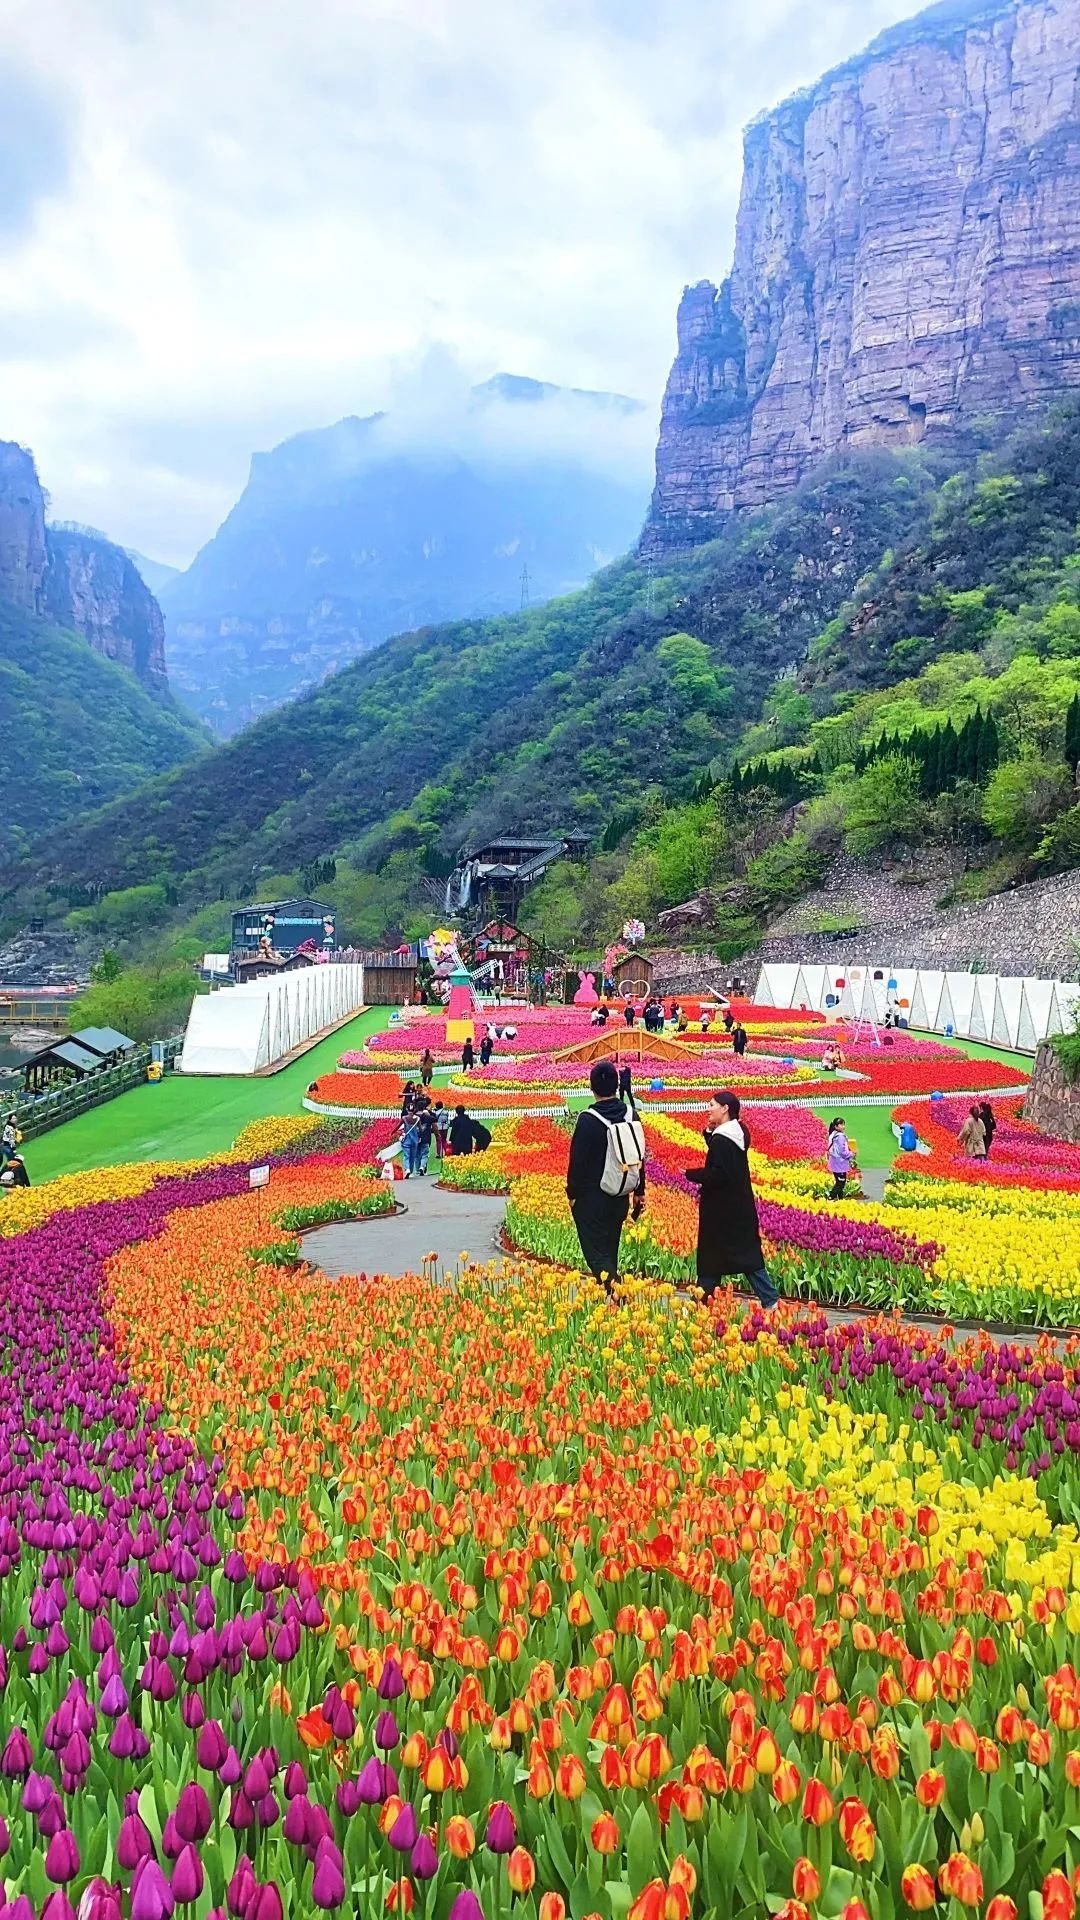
(436, 1221)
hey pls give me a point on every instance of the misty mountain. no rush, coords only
(156, 573)
(508, 494)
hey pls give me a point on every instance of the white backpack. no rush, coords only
(625, 1154)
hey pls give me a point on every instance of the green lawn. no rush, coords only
(182, 1118)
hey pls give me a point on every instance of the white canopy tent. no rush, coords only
(1005, 1010)
(243, 1029)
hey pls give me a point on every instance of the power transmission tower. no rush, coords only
(524, 587)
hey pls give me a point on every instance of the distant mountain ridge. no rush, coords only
(74, 577)
(348, 534)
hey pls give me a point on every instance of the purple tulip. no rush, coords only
(151, 1895)
(133, 1842)
(187, 1877)
(241, 1886)
(265, 1904)
(17, 1756)
(466, 1906)
(295, 1780)
(58, 1907)
(423, 1861)
(211, 1746)
(387, 1732)
(328, 1880)
(501, 1835)
(62, 1859)
(101, 1902)
(402, 1835)
(391, 1683)
(370, 1783)
(193, 1814)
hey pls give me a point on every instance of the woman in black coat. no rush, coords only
(729, 1238)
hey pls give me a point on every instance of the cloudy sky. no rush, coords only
(225, 220)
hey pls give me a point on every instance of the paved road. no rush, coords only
(437, 1221)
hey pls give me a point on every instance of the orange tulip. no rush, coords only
(552, 1907)
(521, 1870)
(1002, 1908)
(578, 1611)
(918, 1889)
(805, 1879)
(438, 1770)
(314, 1729)
(1059, 1902)
(786, 1782)
(604, 1833)
(460, 1835)
(1072, 1766)
(400, 1897)
(817, 1804)
(571, 1779)
(930, 1788)
(855, 1910)
(962, 1879)
(764, 1753)
(857, 1830)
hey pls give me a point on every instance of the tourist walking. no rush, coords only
(628, 1013)
(840, 1158)
(461, 1132)
(986, 1115)
(487, 1048)
(468, 1057)
(441, 1121)
(427, 1067)
(605, 1178)
(973, 1135)
(738, 1040)
(410, 1146)
(425, 1127)
(729, 1237)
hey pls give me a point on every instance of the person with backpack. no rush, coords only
(729, 1237)
(461, 1132)
(605, 1178)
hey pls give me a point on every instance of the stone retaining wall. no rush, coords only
(1052, 1103)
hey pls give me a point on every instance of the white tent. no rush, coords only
(811, 987)
(242, 1029)
(776, 984)
(1005, 1022)
(926, 998)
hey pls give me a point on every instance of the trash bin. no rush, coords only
(154, 1071)
(908, 1138)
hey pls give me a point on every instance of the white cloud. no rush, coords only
(255, 215)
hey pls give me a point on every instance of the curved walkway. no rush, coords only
(449, 1224)
(437, 1220)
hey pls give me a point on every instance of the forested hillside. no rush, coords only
(884, 661)
(75, 729)
(558, 716)
(941, 706)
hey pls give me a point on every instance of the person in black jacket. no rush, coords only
(986, 1115)
(729, 1239)
(468, 1057)
(487, 1048)
(738, 1040)
(598, 1216)
(461, 1132)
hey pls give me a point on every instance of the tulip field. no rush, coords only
(480, 1595)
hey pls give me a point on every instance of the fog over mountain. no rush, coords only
(460, 500)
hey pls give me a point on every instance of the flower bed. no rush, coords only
(1020, 1155)
(381, 1596)
(384, 1092)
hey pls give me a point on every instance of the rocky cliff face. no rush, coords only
(22, 527)
(907, 263)
(73, 577)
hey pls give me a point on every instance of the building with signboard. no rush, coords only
(285, 925)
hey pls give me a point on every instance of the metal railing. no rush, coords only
(39, 1113)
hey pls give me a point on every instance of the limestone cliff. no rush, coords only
(907, 263)
(74, 577)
